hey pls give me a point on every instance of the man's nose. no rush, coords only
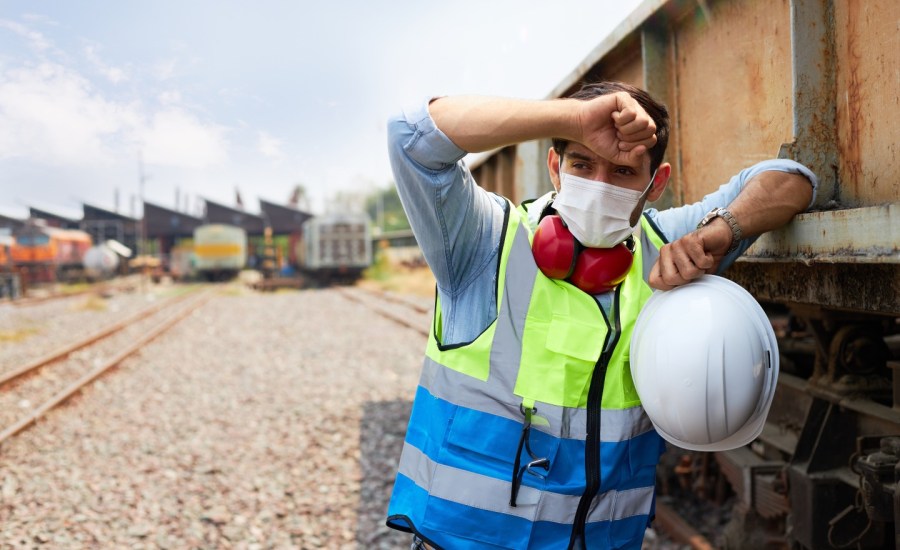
(601, 174)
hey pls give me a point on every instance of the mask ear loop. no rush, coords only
(639, 205)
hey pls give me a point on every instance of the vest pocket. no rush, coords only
(558, 360)
(471, 485)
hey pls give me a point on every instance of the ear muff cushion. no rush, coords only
(601, 269)
(554, 248)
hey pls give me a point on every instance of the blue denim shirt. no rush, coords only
(458, 224)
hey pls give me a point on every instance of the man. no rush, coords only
(526, 431)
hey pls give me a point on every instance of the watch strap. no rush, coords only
(729, 218)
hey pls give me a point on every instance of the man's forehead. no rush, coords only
(580, 152)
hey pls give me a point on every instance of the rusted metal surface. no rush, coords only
(531, 176)
(607, 44)
(867, 45)
(733, 64)
(856, 287)
(630, 69)
(858, 235)
(815, 138)
(656, 52)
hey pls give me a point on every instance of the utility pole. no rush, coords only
(142, 229)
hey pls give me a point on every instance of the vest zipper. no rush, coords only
(592, 442)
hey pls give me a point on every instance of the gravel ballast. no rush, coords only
(260, 421)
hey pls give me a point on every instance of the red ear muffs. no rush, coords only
(559, 255)
(601, 269)
(554, 248)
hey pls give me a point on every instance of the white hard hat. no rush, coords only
(705, 364)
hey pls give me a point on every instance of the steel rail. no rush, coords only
(388, 297)
(98, 288)
(386, 314)
(76, 386)
(67, 349)
(671, 523)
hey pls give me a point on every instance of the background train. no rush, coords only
(219, 251)
(816, 81)
(44, 254)
(335, 248)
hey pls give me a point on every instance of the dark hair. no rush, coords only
(655, 109)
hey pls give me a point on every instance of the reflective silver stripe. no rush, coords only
(490, 397)
(506, 348)
(491, 494)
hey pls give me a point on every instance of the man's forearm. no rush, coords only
(478, 123)
(770, 200)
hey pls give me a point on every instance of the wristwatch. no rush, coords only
(729, 218)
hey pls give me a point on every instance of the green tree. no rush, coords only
(384, 208)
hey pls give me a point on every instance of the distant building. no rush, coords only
(287, 221)
(54, 220)
(8, 225)
(103, 225)
(166, 226)
(253, 224)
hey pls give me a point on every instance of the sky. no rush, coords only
(101, 102)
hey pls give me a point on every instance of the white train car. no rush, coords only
(336, 248)
(220, 251)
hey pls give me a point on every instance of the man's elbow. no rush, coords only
(801, 192)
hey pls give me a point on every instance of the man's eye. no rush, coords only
(624, 171)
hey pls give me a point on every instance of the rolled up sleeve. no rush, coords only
(457, 224)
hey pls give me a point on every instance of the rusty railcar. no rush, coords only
(817, 81)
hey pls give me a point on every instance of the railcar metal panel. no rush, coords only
(867, 46)
(733, 96)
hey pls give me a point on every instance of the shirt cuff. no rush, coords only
(789, 166)
(429, 146)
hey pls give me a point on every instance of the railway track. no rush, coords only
(55, 377)
(118, 285)
(399, 310)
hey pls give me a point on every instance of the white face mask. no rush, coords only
(595, 212)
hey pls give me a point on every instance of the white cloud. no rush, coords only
(51, 114)
(170, 97)
(176, 137)
(270, 146)
(35, 39)
(165, 69)
(113, 74)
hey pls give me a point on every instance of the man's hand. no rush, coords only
(616, 128)
(696, 254)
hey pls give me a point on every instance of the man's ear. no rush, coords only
(660, 181)
(553, 168)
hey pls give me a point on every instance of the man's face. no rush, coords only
(580, 161)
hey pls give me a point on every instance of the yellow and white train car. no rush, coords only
(220, 251)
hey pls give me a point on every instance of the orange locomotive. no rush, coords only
(49, 253)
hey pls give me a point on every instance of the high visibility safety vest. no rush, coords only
(532, 436)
